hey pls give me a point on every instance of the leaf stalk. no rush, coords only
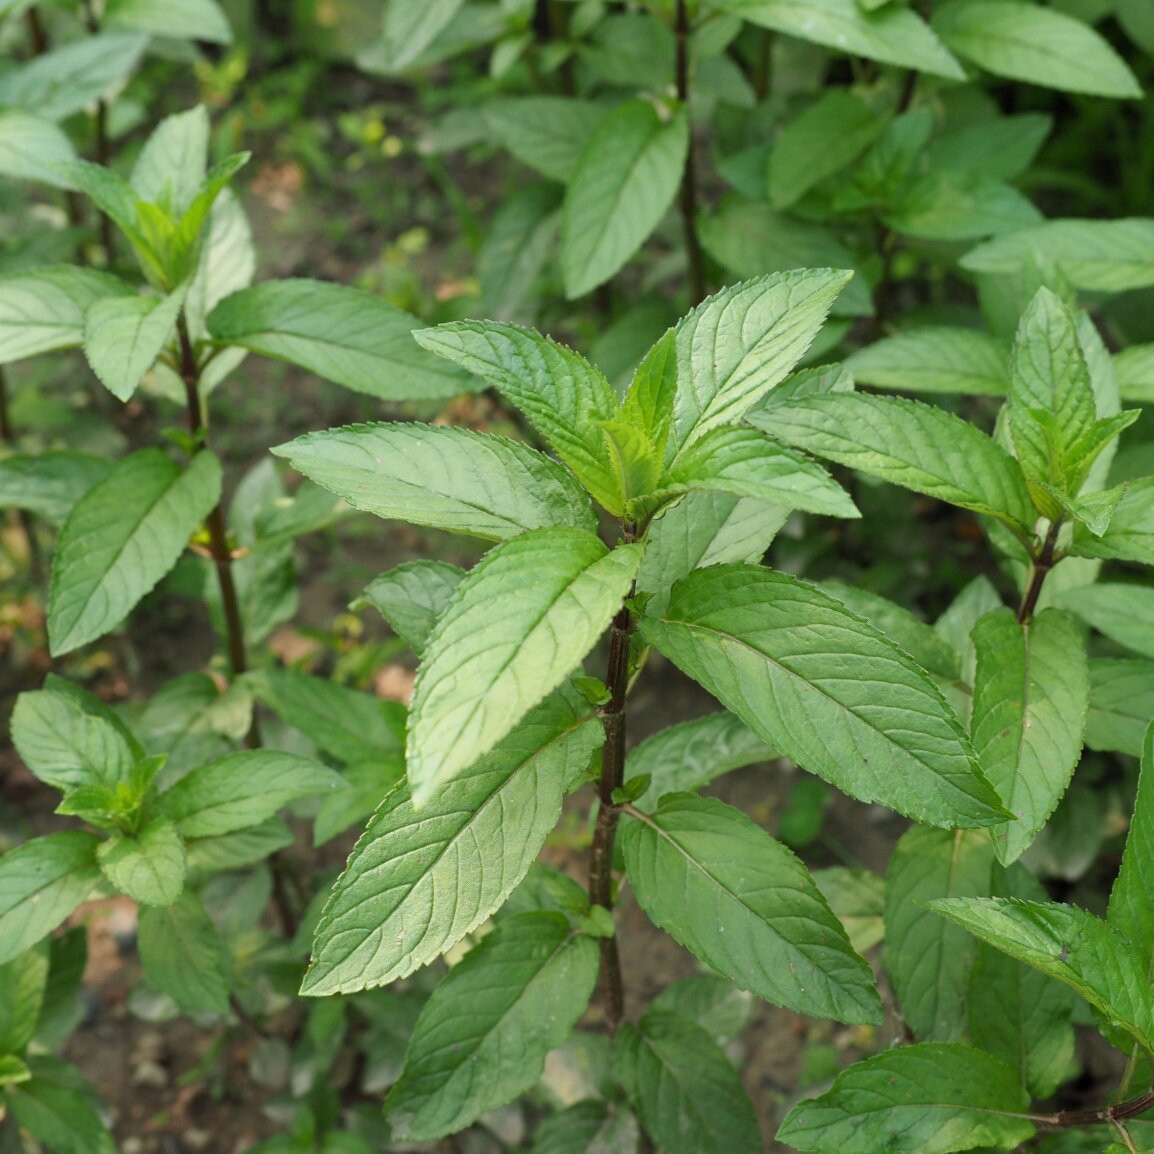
(1043, 563)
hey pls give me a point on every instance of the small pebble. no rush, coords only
(196, 1139)
(149, 1073)
(132, 1146)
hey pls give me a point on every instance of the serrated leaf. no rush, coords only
(1121, 704)
(445, 477)
(548, 133)
(1124, 613)
(410, 597)
(1071, 945)
(483, 1035)
(893, 35)
(43, 309)
(689, 1097)
(746, 906)
(927, 1099)
(41, 883)
(187, 19)
(505, 642)
(33, 148)
(420, 880)
(908, 443)
(59, 1108)
(746, 463)
(928, 960)
(49, 484)
(1038, 45)
(825, 688)
(1130, 534)
(150, 867)
(625, 180)
(564, 397)
(124, 335)
(1031, 694)
(684, 757)
(340, 333)
(22, 984)
(241, 789)
(937, 359)
(181, 954)
(121, 538)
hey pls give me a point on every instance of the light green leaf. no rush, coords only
(826, 138)
(49, 484)
(893, 35)
(148, 868)
(446, 477)
(746, 906)
(13, 1070)
(33, 148)
(1031, 694)
(1108, 256)
(1121, 704)
(748, 464)
(928, 1099)
(241, 789)
(123, 336)
(66, 80)
(43, 309)
(691, 754)
(520, 240)
(1029, 42)
(1124, 613)
(186, 19)
(410, 28)
(22, 984)
(955, 206)
(710, 1001)
(928, 960)
(564, 397)
(625, 180)
(107, 189)
(1130, 535)
(1071, 945)
(420, 880)
(368, 782)
(181, 954)
(1135, 369)
(483, 1035)
(519, 624)
(340, 333)
(410, 597)
(828, 690)
(738, 344)
(245, 847)
(41, 883)
(121, 538)
(58, 1107)
(172, 164)
(686, 1091)
(936, 359)
(548, 133)
(909, 443)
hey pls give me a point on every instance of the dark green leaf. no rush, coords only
(22, 984)
(181, 954)
(58, 1107)
(1131, 910)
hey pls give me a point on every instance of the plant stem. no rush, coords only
(1104, 1114)
(1042, 565)
(8, 436)
(36, 32)
(610, 984)
(689, 176)
(107, 232)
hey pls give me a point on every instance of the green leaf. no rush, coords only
(686, 1091)
(245, 847)
(686, 756)
(857, 898)
(927, 1099)
(241, 789)
(710, 1001)
(409, 29)
(1031, 694)
(349, 725)
(625, 180)
(825, 139)
(893, 34)
(564, 397)
(911, 444)
(740, 343)
(49, 484)
(937, 359)
(66, 80)
(520, 240)
(954, 206)
(121, 538)
(1024, 41)
(1108, 256)
(342, 334)
(505, 642)
(41, 883)
(59, 1108)
(748, 464)
(1131, 910)
(13, 1070)
(172, 164)
(1130, 535)
(33, 148)
(828, 690)
(1135, 369)
(445, 477)
(420, 880)
(998, 147)
(150, 867)
(368, 782)
(181, 954)
(587, 1126)
(22, 984)
(548, 133)
(928, 960)
(746, 906)
(410, 597)
(1071, 945)
(123, 336)
(1124, 613)
(483, 1035)
(1121, 704)
(43, 309)
(186, 19)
